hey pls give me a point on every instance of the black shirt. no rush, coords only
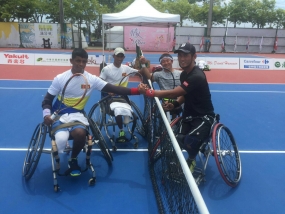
(198, 98)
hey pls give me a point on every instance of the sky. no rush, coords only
(280, 4)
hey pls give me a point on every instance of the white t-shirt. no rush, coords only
(114, 75)
(59, 82)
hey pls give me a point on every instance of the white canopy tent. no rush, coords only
(139, 13)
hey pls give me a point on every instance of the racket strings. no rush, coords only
(74, 91)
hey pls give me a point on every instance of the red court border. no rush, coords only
(33, 72)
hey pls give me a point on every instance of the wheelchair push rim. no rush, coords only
(34, 151)
(226, 154)
(139, 123)
(96, 116)
(101, 141)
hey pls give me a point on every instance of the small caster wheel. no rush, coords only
(136, 145)
(56, 188)
(115, 148)
(92, 181)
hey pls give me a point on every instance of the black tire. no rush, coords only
(34, 151)
(139, 126)
(95, 114)
(226, 154)
(155, 154)
(96, 133)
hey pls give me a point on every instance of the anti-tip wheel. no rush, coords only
(56, 188)
(92, 181)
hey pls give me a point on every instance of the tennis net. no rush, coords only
(174, 186)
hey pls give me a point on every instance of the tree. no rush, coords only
(238, 11)
(261, 12)
(280, 18)
(199, 14)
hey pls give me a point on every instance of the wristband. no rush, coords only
(143, 65)
(149, 93)
(175, 104)
(135, 91)
(46, 112)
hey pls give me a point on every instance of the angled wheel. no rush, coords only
(139, 126)
(96, 115)
(226, 154)
(100, 141)
(156, 151)
(34, 151)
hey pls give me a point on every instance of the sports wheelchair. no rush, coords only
(101, 115)
(35, 149)
(220, 144)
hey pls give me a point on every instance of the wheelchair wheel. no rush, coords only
(100, 141)
(226, 154)
(155, 153)
(34, 151)
(96, 115)
(139, 125)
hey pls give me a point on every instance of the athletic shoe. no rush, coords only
(73, 166)
(121, 138)
(191, 163)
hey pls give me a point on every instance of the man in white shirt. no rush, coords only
(79, 61)
(118, 74)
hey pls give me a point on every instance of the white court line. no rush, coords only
(211, 83)
(282, 92)
(25, 80)
(145, 150)
(9, 88)
(233, 83)
(219, 91)
(121, 150)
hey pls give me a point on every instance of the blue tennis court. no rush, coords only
(254, 113)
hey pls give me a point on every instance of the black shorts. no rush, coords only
(197, 126)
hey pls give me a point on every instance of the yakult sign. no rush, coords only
(16, 58)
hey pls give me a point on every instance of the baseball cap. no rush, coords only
(118, 51)
(165, 55)
(186, 48)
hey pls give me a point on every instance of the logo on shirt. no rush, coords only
(85, 86)
(185, 83)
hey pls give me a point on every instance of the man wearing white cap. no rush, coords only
(114, 73)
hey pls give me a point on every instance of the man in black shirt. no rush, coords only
(194, 92)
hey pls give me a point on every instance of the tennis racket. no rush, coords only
(73, 93)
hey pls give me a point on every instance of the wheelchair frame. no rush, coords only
(99, 116)
(35, 149)
(220, 144)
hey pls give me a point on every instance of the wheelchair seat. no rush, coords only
(104, 117)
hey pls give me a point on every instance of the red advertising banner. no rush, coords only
(148, 38)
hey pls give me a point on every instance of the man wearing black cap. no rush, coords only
(194, 92)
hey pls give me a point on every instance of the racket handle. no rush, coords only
(53, 115)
